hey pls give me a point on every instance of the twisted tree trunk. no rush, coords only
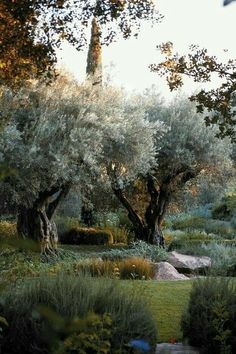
(36, 223)
(149, 228)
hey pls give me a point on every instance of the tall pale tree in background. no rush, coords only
(31, 30)
(94, 58)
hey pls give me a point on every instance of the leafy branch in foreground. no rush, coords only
(200, 66)
(31, 30)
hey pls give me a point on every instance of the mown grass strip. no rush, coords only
(167, 301)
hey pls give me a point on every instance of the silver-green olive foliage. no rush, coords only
(63, 133)
(188, 145)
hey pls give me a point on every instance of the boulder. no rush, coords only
(165, 271)
(187, 263)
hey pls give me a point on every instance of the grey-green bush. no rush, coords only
(210, 319)
(137, 249)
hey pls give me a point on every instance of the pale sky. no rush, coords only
(203, 22)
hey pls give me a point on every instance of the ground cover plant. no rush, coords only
(134, 262)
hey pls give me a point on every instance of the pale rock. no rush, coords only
(165, 271)
(188, 263)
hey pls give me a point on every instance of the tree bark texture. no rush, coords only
(36, 223)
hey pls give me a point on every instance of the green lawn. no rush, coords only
(167, 300)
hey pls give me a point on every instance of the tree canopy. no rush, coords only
(61, 135)
(186, 150)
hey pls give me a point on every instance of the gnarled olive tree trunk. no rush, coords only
(149, 228)
(36, 223)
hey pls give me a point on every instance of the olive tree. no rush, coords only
(63, 135)
(187, 149)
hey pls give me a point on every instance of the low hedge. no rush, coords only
(87, 236)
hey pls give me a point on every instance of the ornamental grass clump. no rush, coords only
(70, 297)
(128, 268)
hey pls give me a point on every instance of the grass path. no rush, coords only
(167, 301)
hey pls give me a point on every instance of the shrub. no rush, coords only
(116, 224)
(72, 297)
(87, 236)
(107, 219)
(136, 268)
(168, 237)
(223, 258)
(183, 240)
(124, 220)
(91, 334)
(118, 219)
(222, 254)
(153, 252)
(209, 321)
(217, 227)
